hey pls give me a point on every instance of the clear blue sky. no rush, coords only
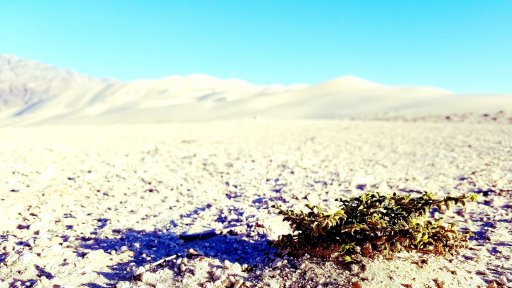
(463, 46)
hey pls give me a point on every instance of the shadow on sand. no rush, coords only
(151, 246)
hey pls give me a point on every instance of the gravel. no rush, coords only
(189, 205)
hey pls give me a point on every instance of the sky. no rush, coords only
(462, 46)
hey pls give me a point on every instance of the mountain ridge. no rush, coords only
(32, 92)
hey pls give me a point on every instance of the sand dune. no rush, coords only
(36, 93)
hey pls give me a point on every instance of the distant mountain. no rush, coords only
(24, 82)
(36, 93)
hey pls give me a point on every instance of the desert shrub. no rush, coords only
(372, 224)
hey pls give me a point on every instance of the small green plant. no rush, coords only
(370, 224)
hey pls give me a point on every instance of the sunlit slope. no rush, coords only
(36, 93)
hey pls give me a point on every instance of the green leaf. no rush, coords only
(402, 220)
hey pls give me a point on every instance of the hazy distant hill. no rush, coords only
(36, 93)
(24, 82)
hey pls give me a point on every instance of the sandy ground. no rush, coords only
(99, 206)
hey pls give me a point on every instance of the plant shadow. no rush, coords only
(151, 246)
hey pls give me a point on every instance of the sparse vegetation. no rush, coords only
(372, 224)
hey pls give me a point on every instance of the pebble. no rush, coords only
(44, 282)
(27, 257)
(37, 250)
(149, 278)
(218, 274)
(503, 280)
(238, 283)
(11, 259)
(123, 284)
(236, 268)
(270, 273)
(140, 270)
(355, 268)
(278, 263)
(56, 241)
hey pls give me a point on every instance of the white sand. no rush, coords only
(34, 93)
(92, 205)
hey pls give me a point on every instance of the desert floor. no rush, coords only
(85, 206)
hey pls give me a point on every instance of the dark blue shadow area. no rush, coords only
(43, 273)
(197, 211)
(15, 283)
(151, 246)
(482, 234)
(3, 257)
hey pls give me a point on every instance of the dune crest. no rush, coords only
(32, 92)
